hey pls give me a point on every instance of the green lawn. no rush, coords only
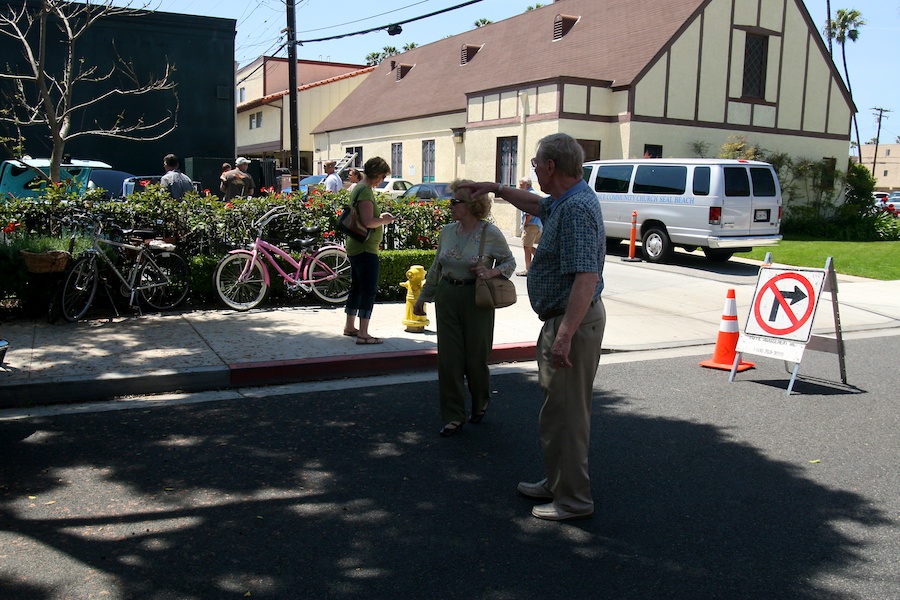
(876, 260)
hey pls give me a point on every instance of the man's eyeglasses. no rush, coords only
(534, 163)
(455, 201)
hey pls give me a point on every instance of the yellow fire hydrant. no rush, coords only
(415, 279)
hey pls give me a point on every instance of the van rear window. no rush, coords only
(736, 182)
(651, 179)
(613, 178)
(763, 182)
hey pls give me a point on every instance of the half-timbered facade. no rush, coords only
(629, 79)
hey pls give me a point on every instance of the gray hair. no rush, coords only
(565, 152)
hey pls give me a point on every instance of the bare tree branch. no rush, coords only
(45, 96)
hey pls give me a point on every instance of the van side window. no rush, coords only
(763, 182)
(660, 180)
(736, 181)
(701, 181)
(613, 178)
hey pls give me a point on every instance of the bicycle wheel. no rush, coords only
(329, 274)
(79, 289)
(164, 281)
(235, 290)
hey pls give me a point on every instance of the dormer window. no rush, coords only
(402, 70)
(468, 53)
(562, 25)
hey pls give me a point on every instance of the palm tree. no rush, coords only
(845, 26)
(482, 22)
(827, 21)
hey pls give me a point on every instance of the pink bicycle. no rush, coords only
(242, 278)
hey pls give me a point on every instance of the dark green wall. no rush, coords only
(202, 52)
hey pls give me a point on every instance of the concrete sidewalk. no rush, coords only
(648, 307)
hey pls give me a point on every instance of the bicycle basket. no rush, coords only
(52, 261)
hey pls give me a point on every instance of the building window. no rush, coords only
(756, 51)
(256, 120)
(427, 160)
(508, 160)
(259, 119)
(252, 120)
(358, 159)
(885, 173)
(652, 151)
(887, 152)
(591, 149)
(242, 94)
(397, 160)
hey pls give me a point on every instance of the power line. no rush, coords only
(392, 27)
(365, 18)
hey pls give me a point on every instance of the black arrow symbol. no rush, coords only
(796, 296)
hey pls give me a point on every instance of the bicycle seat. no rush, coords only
(301, 244)
(144, 234)
(310, 230)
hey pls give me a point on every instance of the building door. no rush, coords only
(508, 161)
(427, 160)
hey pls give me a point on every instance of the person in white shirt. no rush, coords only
(333, 182)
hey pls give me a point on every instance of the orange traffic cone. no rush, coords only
(726, 344)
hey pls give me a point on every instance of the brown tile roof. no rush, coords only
(613, 41)
(256, 102)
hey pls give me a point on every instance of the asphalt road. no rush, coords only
(703, 489)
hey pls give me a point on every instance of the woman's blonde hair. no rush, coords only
(479, 206)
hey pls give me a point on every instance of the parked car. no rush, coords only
(893, 200)
(428, 191)
(110, 181)
(394, 187)
(313, 180)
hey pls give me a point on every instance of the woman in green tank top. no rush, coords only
(364, 264)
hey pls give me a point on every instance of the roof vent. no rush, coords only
(562, 24)
(468, 53)
(402, 70)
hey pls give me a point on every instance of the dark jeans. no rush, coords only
(363, 285)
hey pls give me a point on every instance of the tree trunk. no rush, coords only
(850, 89)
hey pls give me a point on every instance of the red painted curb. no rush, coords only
(358, 365)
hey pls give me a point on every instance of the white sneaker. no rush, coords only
(552, 512)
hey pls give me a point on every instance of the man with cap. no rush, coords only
(333, 183)
(237, 181)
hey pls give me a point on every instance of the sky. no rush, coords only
(874, 77)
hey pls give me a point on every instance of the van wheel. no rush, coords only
(718, 255)
(656, 245)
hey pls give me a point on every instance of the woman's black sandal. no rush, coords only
(451, 428)
(478, 416)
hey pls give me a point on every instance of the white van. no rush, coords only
(722, 206)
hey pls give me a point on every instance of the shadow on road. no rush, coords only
(351, 494)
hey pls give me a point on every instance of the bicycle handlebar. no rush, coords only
(264, 220)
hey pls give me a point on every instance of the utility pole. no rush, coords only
(292, 85)
(880, 112)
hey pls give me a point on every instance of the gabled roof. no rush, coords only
(612, 41)
(256, 102)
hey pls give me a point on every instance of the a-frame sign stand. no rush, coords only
(780, 321)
